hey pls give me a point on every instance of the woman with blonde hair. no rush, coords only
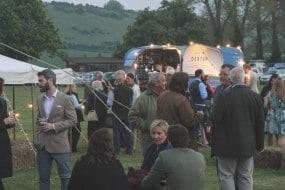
(275, 120)
(158, 133)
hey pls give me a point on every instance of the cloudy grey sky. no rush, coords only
(128, 4)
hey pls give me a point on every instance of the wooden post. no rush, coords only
(33, 115)
(14, 129)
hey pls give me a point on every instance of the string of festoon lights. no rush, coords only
(87, 85)
(19, 124)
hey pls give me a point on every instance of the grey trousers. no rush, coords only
(235, 170)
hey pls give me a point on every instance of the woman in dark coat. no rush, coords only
(99, 169)
(76, 130)
(5, 145)
(96, 101)
(158, 133)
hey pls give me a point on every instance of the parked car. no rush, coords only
(266, 76)
(78, 77)
(279, 65)
(259, 63)
(88, 77)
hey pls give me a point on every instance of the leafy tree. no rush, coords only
(275, 50)
(114, 5)
(25, 26)
(259, 19)
(218, 19)
(239, 17)
(174, 22)
(227, 20)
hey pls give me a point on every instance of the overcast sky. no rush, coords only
(128, 4)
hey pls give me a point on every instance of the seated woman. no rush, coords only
(99, 168)
(158, 133)
(183, 168)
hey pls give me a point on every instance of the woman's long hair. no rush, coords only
(279, 88)
(100, 148)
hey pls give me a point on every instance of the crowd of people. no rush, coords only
(170, 117)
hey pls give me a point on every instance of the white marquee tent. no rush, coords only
(19, 72)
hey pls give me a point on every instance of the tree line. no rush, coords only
(255, 25)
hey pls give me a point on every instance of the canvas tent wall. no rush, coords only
(19, 72)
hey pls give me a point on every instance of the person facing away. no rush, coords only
(183, 168)
(96, 100)
(6, 121)
(239, 133)
(169, 73)
(56, 114)
(75, 131)
(251, 78)
(175, 108)
(120, 98)
(144, 110)
(98, 75)
(98, 169)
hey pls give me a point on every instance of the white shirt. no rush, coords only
(48, 103)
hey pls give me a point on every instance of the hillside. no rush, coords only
(89, 30)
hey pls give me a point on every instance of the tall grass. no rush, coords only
(27, 179)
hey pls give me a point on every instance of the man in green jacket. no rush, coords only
(143, 112)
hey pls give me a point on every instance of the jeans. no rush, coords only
(117, 128)
(44, 162)
(235, 172)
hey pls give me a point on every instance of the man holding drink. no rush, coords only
(56, 114)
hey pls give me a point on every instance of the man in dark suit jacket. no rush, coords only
(51, 140)
(239, 132)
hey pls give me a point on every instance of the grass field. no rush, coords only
(27, 179)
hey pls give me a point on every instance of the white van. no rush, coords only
(259, 63)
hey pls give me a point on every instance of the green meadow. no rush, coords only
(27, 179)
